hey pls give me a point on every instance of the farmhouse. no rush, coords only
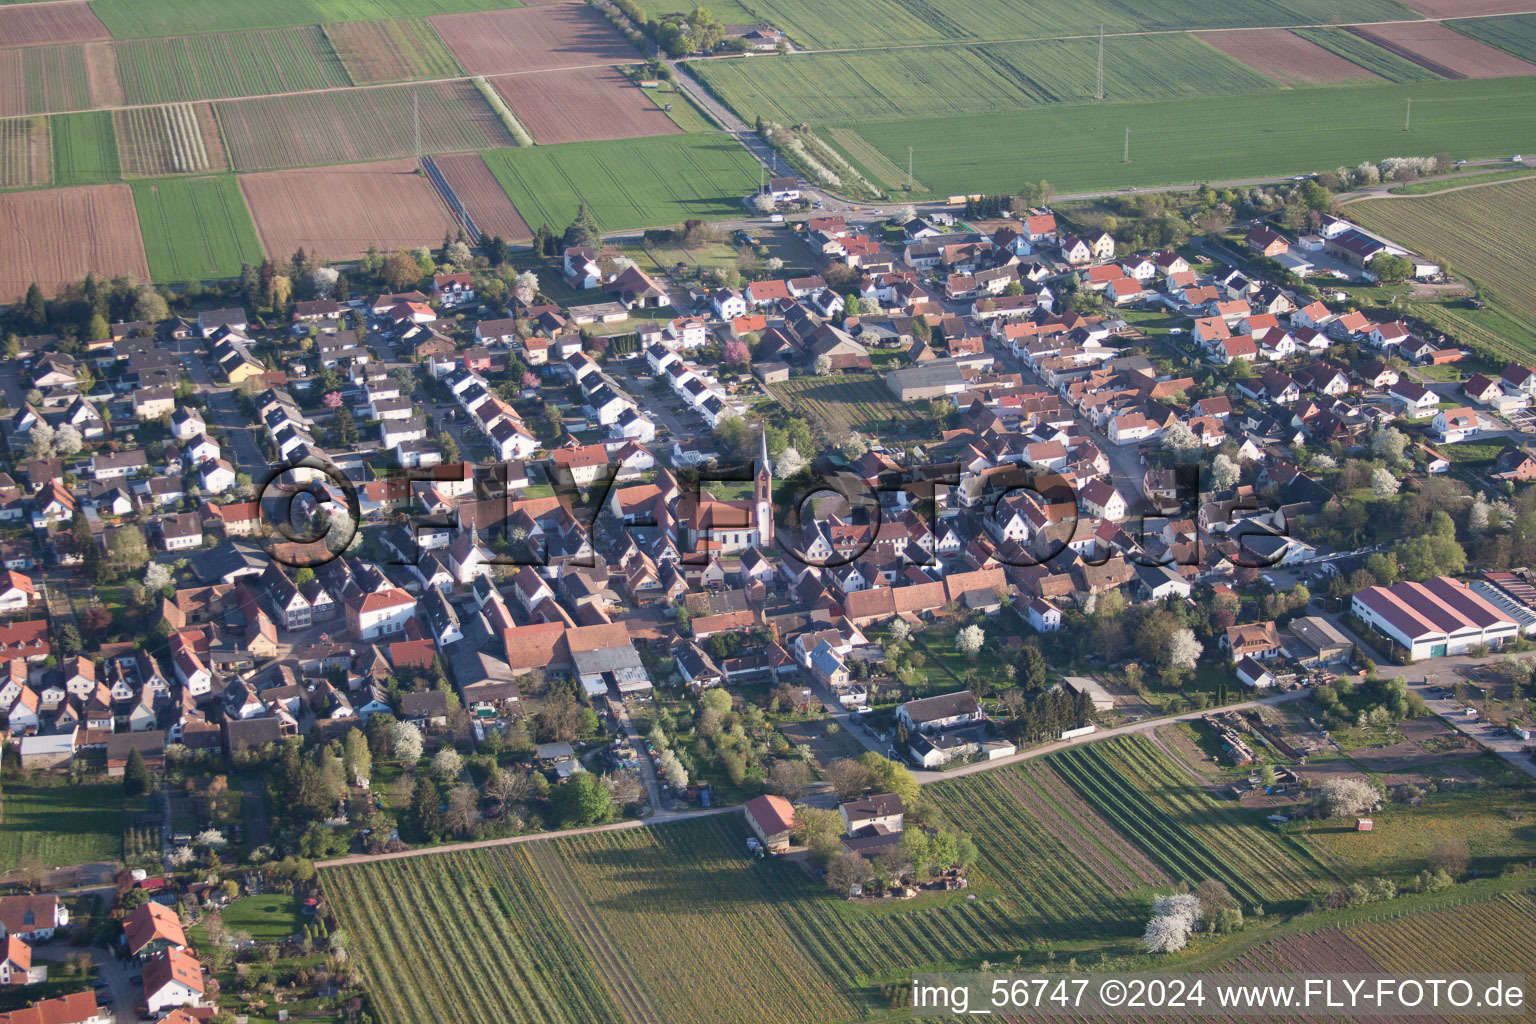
(771, 819)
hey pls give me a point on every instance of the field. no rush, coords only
(1423, 188)
(236, 64)
(1516, 35)
(80, 825)
(1443, 50)
(84, 150)
(1467, 8)
(483, 197)
(132, 19)
(871, 23)
(391, 51)
(1490, 935)
(849, 401)
(1368, 55)
(73, 230)
(533, 39)
(31, 24)
(104, 85)
(583, 105)
(1181, 827)
(628, 184)
(1286, 57)
(1479, 232)
(1079, 147)
(195, 228)
(338, 212)
(359, 124)
(25, 152)
(39, 79)
(176, 138)
(967, 80)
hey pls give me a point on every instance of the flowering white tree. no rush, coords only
(789, 463)
(406, 740)
(156, 577)
(1183, 649)
(970, 639)
(211, 838)
(1389, 443)
(900, 631)
(1173, 921)
(526, 287)
(1179, 438)
(180, 857)
(447, 764)
(1383, 484)
(672, 770)
(1224, 473)
(67, 440)
(1478, 516)
(324, 281)
(1342, 798)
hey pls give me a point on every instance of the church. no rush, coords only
(717, 528)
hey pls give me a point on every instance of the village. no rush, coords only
(618, 543)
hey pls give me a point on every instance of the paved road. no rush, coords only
(647, 770)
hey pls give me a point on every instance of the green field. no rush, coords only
(1425, 188)
(1368, 55)
(133, 19)
(61, 825)
(969, 80)
(1078, 147)
(391, 51)
(48, 77)
(354, 125)
(84, 149)
(632, 183)
(195, 228)
(1515, 33)
(233, 64)
(1482, 233)
(821, 24)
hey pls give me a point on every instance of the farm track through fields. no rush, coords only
(589, 931)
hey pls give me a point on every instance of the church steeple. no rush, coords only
(763, 495)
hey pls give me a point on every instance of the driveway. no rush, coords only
(110, 972)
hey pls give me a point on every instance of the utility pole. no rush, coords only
(1098, 91)
(910, 184)
(1127, 158)
(1408, 119)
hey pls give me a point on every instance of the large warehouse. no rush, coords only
(1434, 618)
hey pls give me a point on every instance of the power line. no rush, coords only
(1408, 119)
(1127, 158)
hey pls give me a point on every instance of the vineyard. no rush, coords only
(195, 228)
(1078, 147)
(820, 24)
(639, 183)
(84, 149)
(237, 64)
(360, 124)
(968, 80)
(1479, 232)
(1503, 931)
(24, 152)
(178, 138)
(513, 957)
(39, 79)
(849, 401)
(1181, 827)
(391, 51)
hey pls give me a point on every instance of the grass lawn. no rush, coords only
(270, 917)
(1499, 826)
(63, 825)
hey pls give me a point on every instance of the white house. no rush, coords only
(381, 613)
(217, 476)
(1043, 616)
(172, 979)
(32, 919)
(1452, 425)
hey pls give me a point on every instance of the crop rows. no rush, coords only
(1514, 34)
(167, 139)
(84, 148)
(1492, 936)
(24, 152)
(852, 401)
(512, 957)
(130, 19)
(967, 80)
(195, 229)
(39, 79)
(391, 51)
(633, 183)
(358, 124)
(678, 906)
(1368, 55)
(1107, 853)
(233, 64)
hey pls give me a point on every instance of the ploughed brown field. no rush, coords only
(67, 232)
(583, 105)
(31, 24)
(1285, 56)
(1444, 51)
(532, 39)
(338, 212)
(484, 198)
(1469, 8)
(101, 76)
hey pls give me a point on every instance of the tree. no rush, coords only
(790, 463)
(1389, 443)
(40, 442)
(1179, 439)
(735, 353)
(128, 548)
(1173, 921)
(401, 270)
(789, 779)
(447, 765)
(583, 230)
(1346, 797)
(1032, 669)
(1392, 269)
(67, 440)
(156, 577)
(135, 775)
(849, 777)
(405, 740)
(34, 311)
(900, 631)
(459, 255)
(449, 446)
(526, 288)
(887, 776)
(343, 428)
(463, 812)
(822, 830)
(822, 366)
(970, 640)
(426, 808)
(672, 770)
(845, 871)
(98, 329)
(581, 800)
(1224, 473)
(150, 306)
(69, 639)
(1183, 650)
(1383, 483)
(1450, 855)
